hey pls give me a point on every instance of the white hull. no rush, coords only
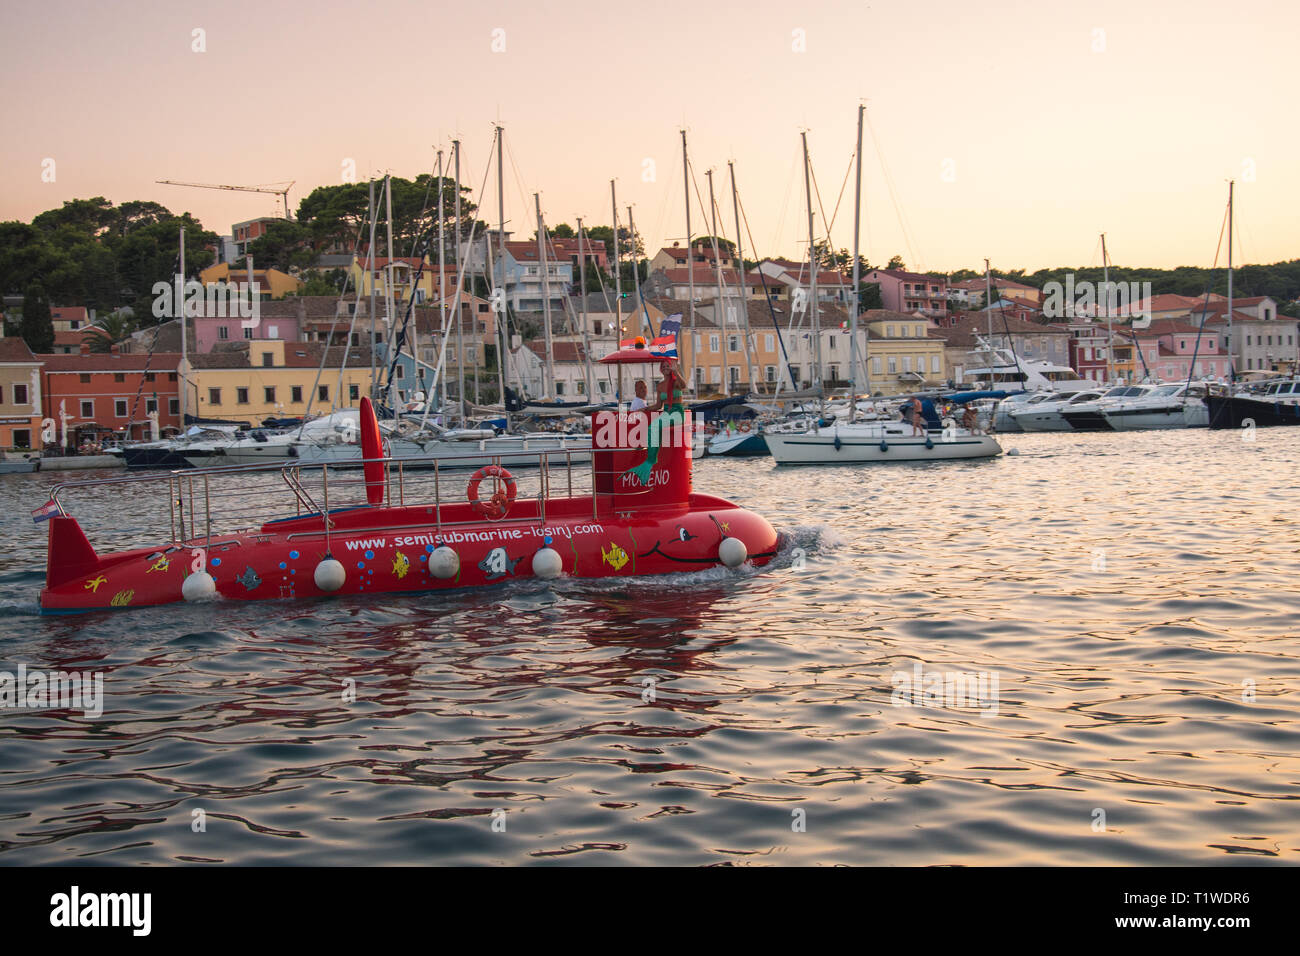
(854, 444)
(1192, 415)
(1042, 422)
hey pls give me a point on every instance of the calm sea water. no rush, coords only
(1134, 595)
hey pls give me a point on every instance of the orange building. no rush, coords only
(101, 393)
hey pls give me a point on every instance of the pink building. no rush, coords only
(1167, 349)
(910, 292)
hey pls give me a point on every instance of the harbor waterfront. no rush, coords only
(1083, 653)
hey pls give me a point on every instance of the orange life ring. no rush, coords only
(495, 508)
(743, 427)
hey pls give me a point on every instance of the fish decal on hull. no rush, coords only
(249, 578)
(615, 557)
(162, 564)
(401, 565)
(498, 564)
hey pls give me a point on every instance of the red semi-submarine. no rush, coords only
(641, 518)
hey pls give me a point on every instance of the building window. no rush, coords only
(223, 332)
(889, 331)
(241, 396)
(150, 405)
(84, 379)
(875, 365)
(769, 341)
(559, 388)
(214, 396)
(934, 364)
(20, 395)
(323, 393)
(354, 392)
(268, 360)
(149, 376)
(268, 394)
(248, 333)
(907, 363)
(22, 438)
(733, 343)
(119, 407)
(295, 394)
(770, 372)
(173, 406)
(893, 365)
(713, 343)
(119, 377)
(401, 372)
(87, 409)
(171, 376)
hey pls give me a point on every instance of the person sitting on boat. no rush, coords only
(669, 402)
(638, 400)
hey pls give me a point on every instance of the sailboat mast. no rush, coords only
(750, 359)
(1105, 285)
(549, 379)
(618, 262)
(582, 284)
(388, 287)
(636, 276)
(690, 259)
(1232, 369)
(857, 277)
(180, 309)
(988, 303)
(720, 305)
(502, 317)
(442, 278)
(370, 271)
(455, 309)
(812, 266)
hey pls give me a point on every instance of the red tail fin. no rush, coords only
(69, 555)
(372, 446)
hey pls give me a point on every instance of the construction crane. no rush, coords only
(283, 191)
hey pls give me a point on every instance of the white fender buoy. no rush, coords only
(732, 552)
(330, 575)
(444, 562)
(1014, 451)
(547, 563)
(198, 586)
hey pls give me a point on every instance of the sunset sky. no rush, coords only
(1012, 130)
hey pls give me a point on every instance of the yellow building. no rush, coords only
(902, 354)
(404, 270)
(270, 282)
(20, 396)
(269, 378)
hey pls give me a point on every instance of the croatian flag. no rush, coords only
(45, 512)
(665, 343)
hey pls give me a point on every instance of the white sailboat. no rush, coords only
(870, 441)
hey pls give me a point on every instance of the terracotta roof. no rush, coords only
(563, 351)
(65, 313)
(962, 332)
(14, 349)
(112, 362)
(296, 355)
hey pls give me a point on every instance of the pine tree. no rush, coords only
(37, 328)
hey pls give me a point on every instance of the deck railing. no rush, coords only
(204, 505)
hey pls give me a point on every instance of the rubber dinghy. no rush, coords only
(633, 513)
